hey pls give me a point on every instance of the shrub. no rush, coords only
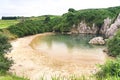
(71, 10)
(113, 45)
(5, 64)
(29, 27)
(5, 46)
(111, 69)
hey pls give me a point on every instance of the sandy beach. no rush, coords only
(33, 64)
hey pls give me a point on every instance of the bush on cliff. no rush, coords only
(5, 46)
(113, 45)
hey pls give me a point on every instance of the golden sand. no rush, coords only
(33, 64)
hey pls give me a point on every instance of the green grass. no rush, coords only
(109, 71)
(6, 23)
(11, 77)
(110, 78)
(71, 77)
(42, 17)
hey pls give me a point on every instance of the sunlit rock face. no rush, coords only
(108, 29)
(105, 26)
(83, 28)
(97, 40)
(113, 28)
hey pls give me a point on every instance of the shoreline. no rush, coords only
(34, 64)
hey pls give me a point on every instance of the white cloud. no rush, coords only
(40, 7)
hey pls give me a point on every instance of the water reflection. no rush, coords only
(67, 44)
(65, 50)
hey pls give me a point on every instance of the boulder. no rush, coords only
(97, 40)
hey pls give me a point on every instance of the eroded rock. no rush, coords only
(83, 28)
(113, 28)
(105, 26)
(108, 29)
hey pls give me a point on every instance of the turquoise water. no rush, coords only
(67, 44)
(69, 49)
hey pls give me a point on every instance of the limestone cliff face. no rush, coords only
(83, 28)
(111, 31)
(108, 29)
(105, 26)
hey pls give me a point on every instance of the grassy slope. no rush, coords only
(6, 23)
(42, 17)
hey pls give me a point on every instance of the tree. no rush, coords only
(47, 19)
(71, 10)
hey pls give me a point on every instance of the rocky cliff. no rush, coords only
(111, 31)
(106, 25)
(82, 27)
(108, 29)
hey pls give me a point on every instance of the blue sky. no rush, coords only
(55, 7)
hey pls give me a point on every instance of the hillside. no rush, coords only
(6, 23)
(92, 18)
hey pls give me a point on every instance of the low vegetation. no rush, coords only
(113, 45)
(6, 23)
(11, 77)
(71, 77)
(111, 69)
(65, 22)
(6, 63)
(5, 46)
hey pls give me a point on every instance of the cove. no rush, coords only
(70, 48)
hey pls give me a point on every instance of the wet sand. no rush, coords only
(33, 64)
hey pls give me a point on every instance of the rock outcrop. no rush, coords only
(113, 28)
(97, 40)
(105, 26)
(108, 29)
(83, 28)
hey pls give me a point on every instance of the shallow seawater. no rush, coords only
(73, 47)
